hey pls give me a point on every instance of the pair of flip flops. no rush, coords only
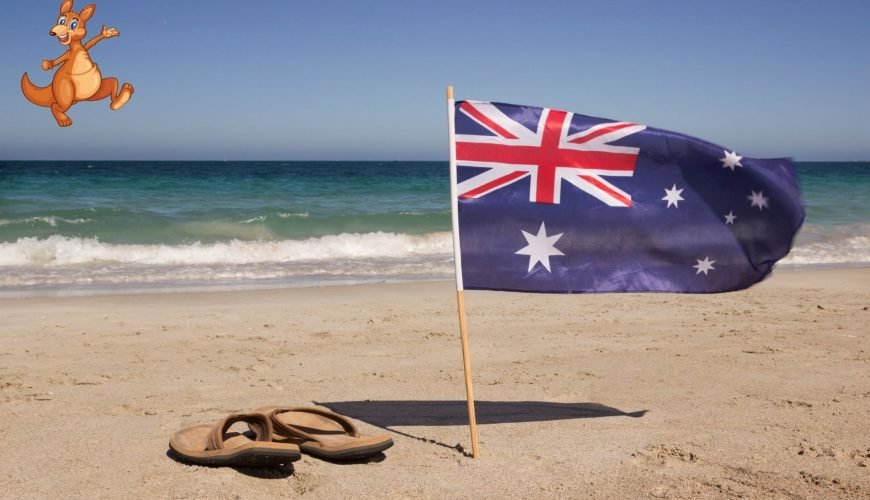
(277, 436)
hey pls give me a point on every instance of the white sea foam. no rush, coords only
(71, 265)
(821, 244)
(261, 218)
(283, 215)
(63, 251)
(51, 220)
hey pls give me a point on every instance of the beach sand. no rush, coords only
(760, 393)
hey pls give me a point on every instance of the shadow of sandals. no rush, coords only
(387, 414)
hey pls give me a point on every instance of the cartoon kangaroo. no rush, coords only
(78, 78)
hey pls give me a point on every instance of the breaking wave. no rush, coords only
(62, 251)
(831, 245)
(63, 264)
(50, 220)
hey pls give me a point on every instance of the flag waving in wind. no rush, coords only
(552, 201)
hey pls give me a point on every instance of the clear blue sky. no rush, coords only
(281, 79)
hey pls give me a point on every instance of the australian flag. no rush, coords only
(557, 202)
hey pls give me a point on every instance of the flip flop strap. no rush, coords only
(287, 430)
(258, 422)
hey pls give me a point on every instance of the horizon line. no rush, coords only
(222, 160)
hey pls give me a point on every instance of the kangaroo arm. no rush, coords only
(48, 63)
(94, 41)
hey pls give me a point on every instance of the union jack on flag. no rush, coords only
(548, 154)
(558, 202)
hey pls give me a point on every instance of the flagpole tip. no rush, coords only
(450, 92)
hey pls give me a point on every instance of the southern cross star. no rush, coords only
(758, 200)
(540, 247)
(704, 266)
(731, 160)
(672, 196)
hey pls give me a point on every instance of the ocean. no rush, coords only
(89, 227)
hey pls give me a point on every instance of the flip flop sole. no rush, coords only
(354, 453)
(240, 457)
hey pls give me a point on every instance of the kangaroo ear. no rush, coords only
(87, 12)
(66, 6)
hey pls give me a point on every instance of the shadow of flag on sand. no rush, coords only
(386, 414)
(390, 414)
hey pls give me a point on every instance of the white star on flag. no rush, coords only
(704, 266)
(672, 196)
(731, 160)
(540, 247)
(729, 217)
(758, 200)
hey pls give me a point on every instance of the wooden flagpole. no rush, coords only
(466, 361)
(460, 293)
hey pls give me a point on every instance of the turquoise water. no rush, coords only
(178, 203)
(837, 228)
(91, 225)
(836, 193)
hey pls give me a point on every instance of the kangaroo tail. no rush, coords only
(41, 96)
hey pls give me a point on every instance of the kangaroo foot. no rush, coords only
(123, 96)
(62, 119)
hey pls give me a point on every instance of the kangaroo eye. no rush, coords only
(73, 25)
(62, 21)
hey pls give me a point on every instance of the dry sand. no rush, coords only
(761, 393)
